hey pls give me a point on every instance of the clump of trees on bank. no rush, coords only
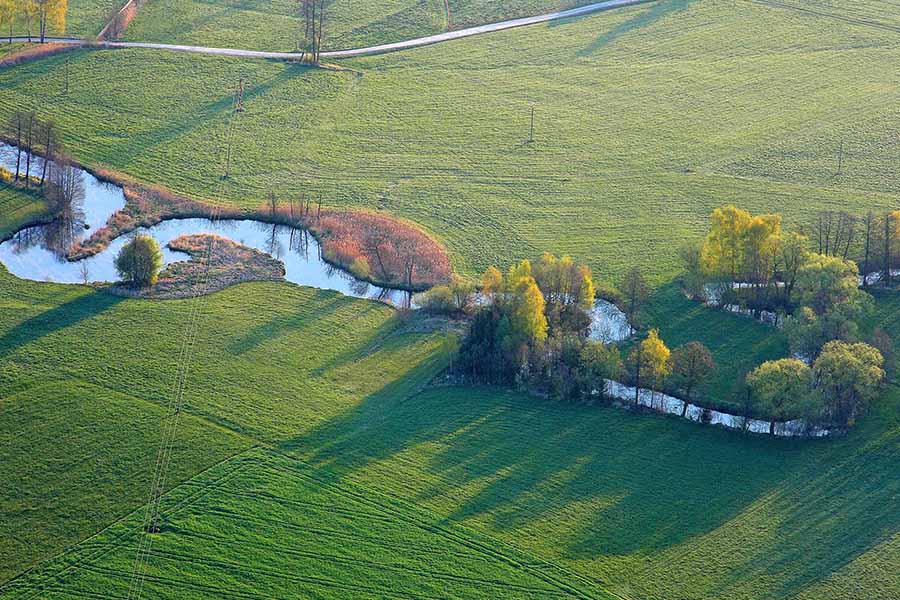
(372, 246)
(43, 166)
(835, 390)
(530, 327)
(814, 283)
(751, 262)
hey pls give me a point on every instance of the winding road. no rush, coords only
(370, 50)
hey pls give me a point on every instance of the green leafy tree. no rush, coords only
(139, 261)
(847, 376)
(692, 364)
(597, 363)
(826, 281)
(780, 387)
(791, 255)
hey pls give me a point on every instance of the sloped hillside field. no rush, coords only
(328, 445)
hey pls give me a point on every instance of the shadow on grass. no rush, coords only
(595, 482)
(651, 14)
(70, 313)
(220, 109)
(319, 305)
(519, 463)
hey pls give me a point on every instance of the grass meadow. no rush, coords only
(18, 208)
(274, 25)
(636, 141)
(313, 459)
(310, 449)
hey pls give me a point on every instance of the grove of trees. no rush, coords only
(835, 390)
(39, 17)
(531, 328)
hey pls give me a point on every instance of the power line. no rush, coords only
(152, 520)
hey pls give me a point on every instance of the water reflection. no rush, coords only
(31, 255)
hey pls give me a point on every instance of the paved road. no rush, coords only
(371, 50)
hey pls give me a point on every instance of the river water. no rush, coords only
(39, 253)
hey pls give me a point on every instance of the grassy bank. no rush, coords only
(19, 207)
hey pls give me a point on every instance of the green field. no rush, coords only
(313, 458)
(265, 525)
(82, 456)
(532, 491)
(636, 142)
(274, 25)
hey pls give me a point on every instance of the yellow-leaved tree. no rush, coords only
(650, 361)
(9, 14)
(723, 252)
(529, 324)
(51, 16)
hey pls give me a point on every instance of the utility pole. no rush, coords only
(228, 161)
(239, 98)
(531, 134)
(841, 157)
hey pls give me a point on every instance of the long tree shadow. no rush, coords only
(600, 482)
(70, 313)
(141, 143)
(651, 14)
(321, 304)
(525, 461)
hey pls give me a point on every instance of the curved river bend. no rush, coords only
(39, 253)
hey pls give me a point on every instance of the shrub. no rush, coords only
(139, 261)
(439, 300)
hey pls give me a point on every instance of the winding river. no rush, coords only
(39, 253)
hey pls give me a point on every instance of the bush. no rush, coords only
(438, 300)
(139, 261)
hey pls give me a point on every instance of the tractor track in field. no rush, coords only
(828, 15)
(369, 50)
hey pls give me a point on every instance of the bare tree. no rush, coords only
(835, 232)
(50, 148)
(16, 128)
(273, 204)
(85, 272)
(29, 141)
(313, 14)
(889, 231)
(636, 291)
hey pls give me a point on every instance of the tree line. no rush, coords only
(756, 254)
(36, 17)
(42, 163)
(530, 327)
(814, 282)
